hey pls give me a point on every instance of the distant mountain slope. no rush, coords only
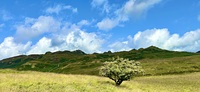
(78, 62)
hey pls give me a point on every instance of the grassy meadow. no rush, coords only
(175, 65)
(29, 81)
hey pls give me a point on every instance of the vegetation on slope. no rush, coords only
(155, 61)
(29, 81)
(120, 70)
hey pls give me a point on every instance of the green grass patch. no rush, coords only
(176, 65)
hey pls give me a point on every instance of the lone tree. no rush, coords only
(120, 70)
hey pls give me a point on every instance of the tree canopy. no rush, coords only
(120, 70)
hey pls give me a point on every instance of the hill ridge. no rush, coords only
(78, 62)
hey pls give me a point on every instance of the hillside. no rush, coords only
(154, 60)
(29, 81)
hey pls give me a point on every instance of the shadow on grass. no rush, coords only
(106, 82)
(112, 83)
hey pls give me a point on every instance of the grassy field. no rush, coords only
(176, 65)
(29, 81)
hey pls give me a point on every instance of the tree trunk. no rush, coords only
(118, 82)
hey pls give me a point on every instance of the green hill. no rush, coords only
(155, 61)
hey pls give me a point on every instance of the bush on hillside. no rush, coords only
(120, 70)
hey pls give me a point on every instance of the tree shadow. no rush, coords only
(113, 84)
(107, 82)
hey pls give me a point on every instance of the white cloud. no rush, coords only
(137, 7)
(73, 38)
(132, 8)
(9, 48)
(74, 10)
(58, 8)
(83, 22)
(42, 46)
(156, 37)
(91, 42)
(190, 41)
(68, 37)
(77, 39)
(55, 9)
(5, 15)
(107, 24)
(96, 3)
(102, 5)
(88, 42)
(69, 7)
(36, 27)
(119, 46)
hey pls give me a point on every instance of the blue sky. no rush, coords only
(37, 26)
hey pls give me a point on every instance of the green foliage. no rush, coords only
(120, 70)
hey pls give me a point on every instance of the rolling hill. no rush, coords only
(155, 61)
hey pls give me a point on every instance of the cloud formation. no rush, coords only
(63, 36)
(58, 8)
(72, 37)
(32, 27)
(71, 40)
(5, 15)
(107, 24)
(9, 48)
(132, 8)
(136, 8)
(101, 5)
(162, 38)
(42, 46)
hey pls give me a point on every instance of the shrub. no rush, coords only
(120, 70)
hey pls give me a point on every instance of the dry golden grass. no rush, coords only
(14, 81)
